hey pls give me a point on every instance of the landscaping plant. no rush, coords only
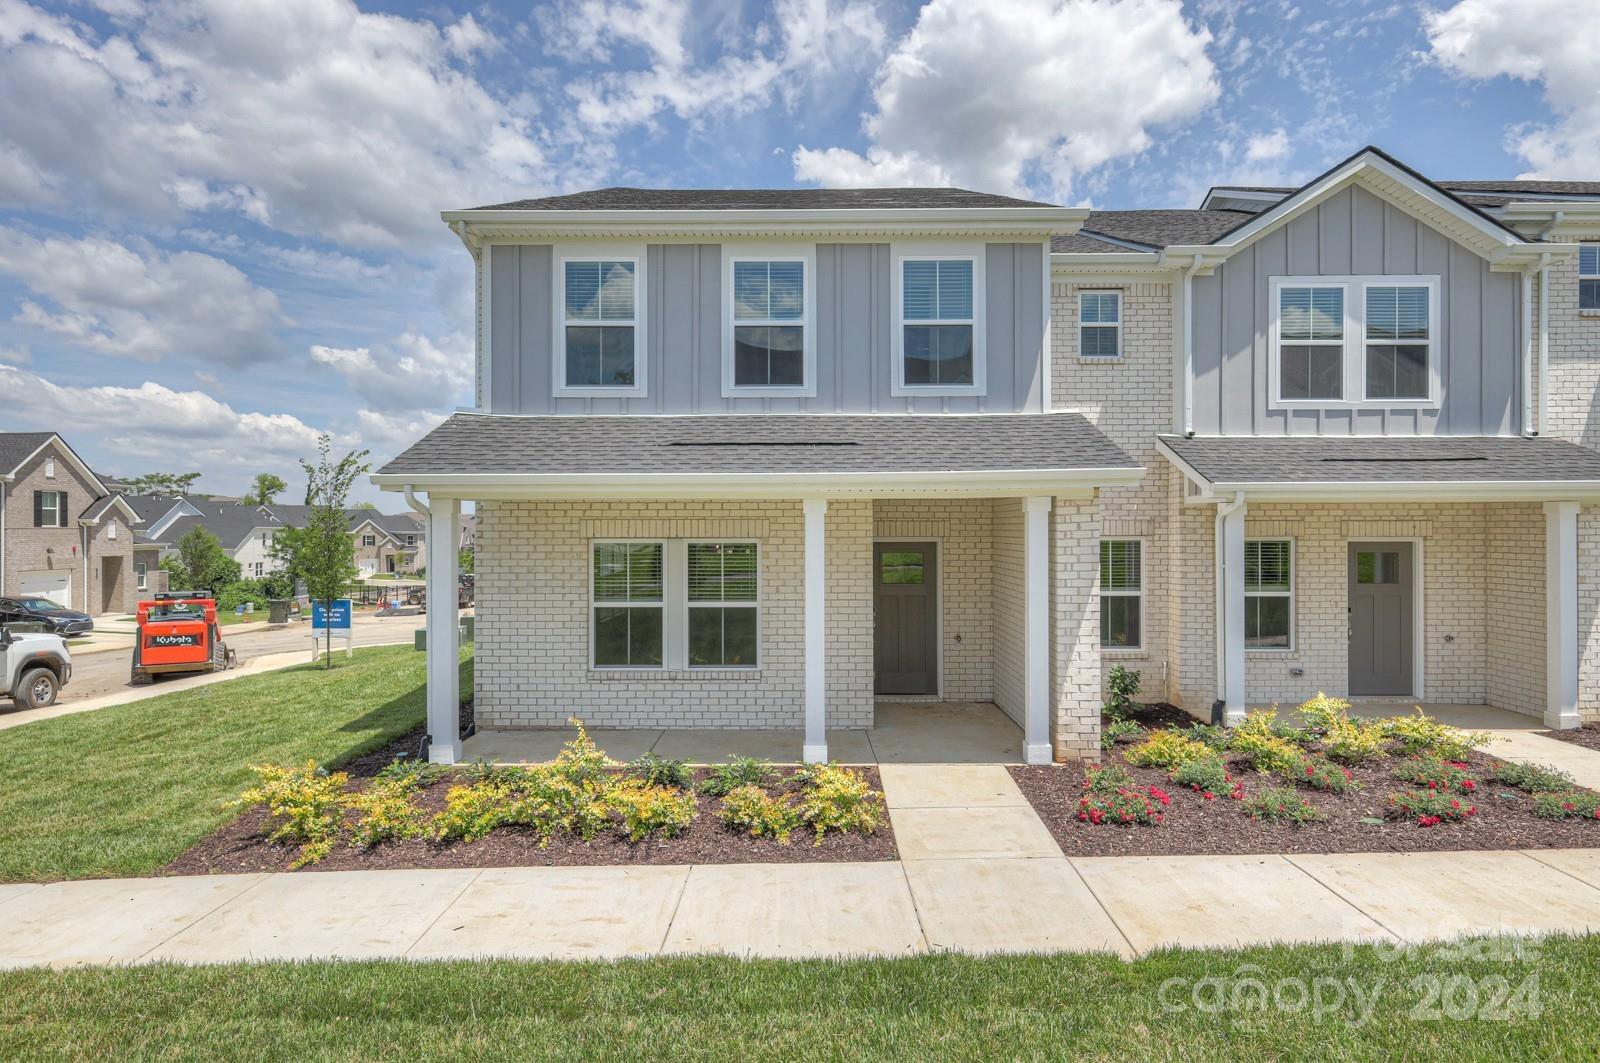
(738, 771)
(1255, 740)
(1106, 779)
(1567, 804)
(1348, 740)
(385, 811)
(1321, 774)
(839, 799)
(656, 770)
(1122, 684)
(758, 813)
(1534, 778)
(1451, 776)
(646, 810)
(1428, 807)
(1217, 738)
(1166, 749)
(304, 803)
(1421, 733)
(1278, 804)
(1116, 731)
(1207, 776)
(1124, 807)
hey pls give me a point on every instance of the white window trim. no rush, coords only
(976, 253)
(1582, 276)
(1139, 594)
(1100, 324)
(141, 576)
(369, 540)
(674, 607)
(558, 362)
(60, 509)
(1353, 347)
(1294, 576)
(806, 255)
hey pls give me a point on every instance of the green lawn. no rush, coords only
(122, 791)
(932, 1007)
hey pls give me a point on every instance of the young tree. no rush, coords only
(206, 565)
(266, 488)
(322, 554)
(163, 483)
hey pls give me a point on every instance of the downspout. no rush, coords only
(83, 537)
(1188, 344)
(1224, 511)
(1544, 340)
(1527, 353)
(411, 500)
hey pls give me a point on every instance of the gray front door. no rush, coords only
(905, 599)
(1382, 598)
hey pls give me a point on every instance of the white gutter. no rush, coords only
(1527, 354)
(1544, 341)
(1188, 344)
(411, 500)
(1224, 510)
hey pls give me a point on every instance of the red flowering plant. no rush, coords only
(1206, 776)
(1567, 804)
(1446, 776)
(1428, 807)
(1110, 796)
(1324, 775)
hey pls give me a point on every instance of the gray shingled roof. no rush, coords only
(15, 448)
(782, 443)
(1244, 460)
(1154, 229)
(765, 199)
(1479, 193)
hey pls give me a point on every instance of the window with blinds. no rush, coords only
(722, 617)
(769, 335)
(1398, 336)
(628, 605)
(675, 604)
(1310, 342)
(1121, 593)
(1589, 276)
(1100, 324)
(1268, 593)
(937, 322)
(600, 322)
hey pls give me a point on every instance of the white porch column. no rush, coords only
(444, 632)
(1036, 581)
(1561, 614)
(1230, 587)
(816, 741)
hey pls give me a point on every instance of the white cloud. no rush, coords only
(306, 115)
(407, 373)
(988, 94)
(139, 302)
(1549, 42)
(1265, 147)
(15, 355)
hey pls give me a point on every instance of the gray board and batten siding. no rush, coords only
(1357, 233)
(683, 308)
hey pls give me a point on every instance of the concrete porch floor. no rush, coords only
(905, 733)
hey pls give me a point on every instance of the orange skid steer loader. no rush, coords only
(178, 633)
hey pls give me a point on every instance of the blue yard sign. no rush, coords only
(338, 619)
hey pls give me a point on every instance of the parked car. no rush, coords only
(55, 619)
(33, 667)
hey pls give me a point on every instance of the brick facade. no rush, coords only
(31, 549)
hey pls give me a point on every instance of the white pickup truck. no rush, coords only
(33, 667)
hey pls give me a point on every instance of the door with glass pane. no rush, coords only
(1382, 598)
(906, 618)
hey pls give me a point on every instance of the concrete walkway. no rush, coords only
(978, 873)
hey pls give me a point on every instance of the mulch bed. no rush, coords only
(1587, 736)
(1193, 825)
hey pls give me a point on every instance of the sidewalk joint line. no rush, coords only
(1327, 886)
(1532, 855)
(451, 903)
(1123, 934)
(207, 914)
(911, 894)
(676, 904)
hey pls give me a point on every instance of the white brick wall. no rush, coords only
(1075, 629)
(1009, 596)
(1573, 412)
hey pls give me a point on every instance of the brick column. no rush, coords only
(1075, 628)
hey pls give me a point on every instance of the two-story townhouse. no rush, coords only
(63, 535)
(763, 460)
(384, 542)
(1360, 440)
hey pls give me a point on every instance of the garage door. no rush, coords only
(57, 586)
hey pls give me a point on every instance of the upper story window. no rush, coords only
(1100, 324)
(939, 335)
(600, 339)
(49, 509)
(1589, 276)
(769, 325)
(369, 540)
(1354, 341)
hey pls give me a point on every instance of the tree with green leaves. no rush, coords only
(464, 559)
(206, 566)
(266, 488)
(322, 555)
(163, 483)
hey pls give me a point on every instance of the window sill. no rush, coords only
(1086, 360)
(1272, 655)
(735, 391)
(1107, 654)
(672, 675)
(1592, 312)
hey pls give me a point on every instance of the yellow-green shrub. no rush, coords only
(839, 799)
(1166, 749)
(305, 804)
(580, 760)
(645, 810)
(1256, 740)
(385, 814)
(472, 811)
(750, 808)
(1421, 733)
(1344, 739)
(1323, 713)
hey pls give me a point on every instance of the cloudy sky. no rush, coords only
(219, 229)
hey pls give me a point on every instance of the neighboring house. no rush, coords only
(766, 458)
(384, 542)
(63, 534)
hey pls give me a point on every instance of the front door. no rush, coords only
(1382, 598)
(906, 618)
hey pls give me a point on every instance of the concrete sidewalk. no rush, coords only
(978, 873)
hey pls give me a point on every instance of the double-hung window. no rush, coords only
(369, 540)
(940, 338)
(1399, 336)
(1310, 342)
(1100, 324)
(1269, 594)
(601, 335)
(1355, 341)
(1589, 276)
(50, 509)
(141, 576)
(769, 339)
(675, 604)
(1121, 593)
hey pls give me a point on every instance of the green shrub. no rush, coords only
(1107, 779)
(1428, 807)
(645, 810)
(472, 811)
(410, 774)
(839, 799)
(241, 592)
(1256, 740)
(655, 770)
(1205, 775)
(1166, 749)
(1323, 714)
(1279, 804)
(549, 801)
(1211, 736)
(580, 760)
(385, 812)
(1421, 733)
(1119, 731)
(305, 804)
(1451, 776)
(1126, 807)
(1122, 684)
(1345, 739)
(754, 811)
(1324, 775)
(1534, 778)
(738, 771)
(1567, 804)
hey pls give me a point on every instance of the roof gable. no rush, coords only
(18, 448)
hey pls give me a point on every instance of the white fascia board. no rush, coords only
(870, 222)
(762, 485)
(1104, 263)
(72, 459)
(1417, 491)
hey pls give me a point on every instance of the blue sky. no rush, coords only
(219, 227)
